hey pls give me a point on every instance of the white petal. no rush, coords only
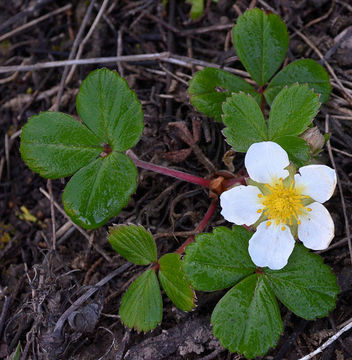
(271, 246)
(265, 162)
(317, 181)
(317, 227)
(240, 204)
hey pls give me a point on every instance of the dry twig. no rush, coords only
(35, 22)
(329, 342)
(343, 204)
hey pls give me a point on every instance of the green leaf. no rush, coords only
(134, 243)
(211, 87)
(141, 305)
(174, 282)
(293, 109)
(219, 260)
(305, 285)
(110, 109)
(304, 71)
(247, 319)
(16, 355)
(196, 9)
(244, 122)
(261, 43)
(100, 190)
(55, 145)
(296, 148)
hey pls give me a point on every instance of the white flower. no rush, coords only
(284, 205)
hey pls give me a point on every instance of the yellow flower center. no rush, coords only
(283, 205)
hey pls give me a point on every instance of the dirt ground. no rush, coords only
(37, 285)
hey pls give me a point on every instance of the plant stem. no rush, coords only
(169, 172)
(232, 181)
(200, 227)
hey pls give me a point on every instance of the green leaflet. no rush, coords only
(110, 109)
(56, 145)
(305, 285)
(304, 71)
(293, 109)
(210, 88)
(261, 43)
(100, 190)
(141, 305)
(134, 243)
(247, 319)
(296, 148)
(174, 282)
(218, 260)
(244, 122)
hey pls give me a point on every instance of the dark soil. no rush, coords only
(37, 284)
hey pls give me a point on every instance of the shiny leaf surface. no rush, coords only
(210, 88)
(110, 109)
(244, 122)
(141, 306)
(293, 109)
(174, 282)
(100, 190)
(247, 319)
(218, 260)
(304, 71)
(56, 145)
(305, 285)
(261, 43)
(134, 243)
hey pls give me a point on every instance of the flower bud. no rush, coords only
(314, 138)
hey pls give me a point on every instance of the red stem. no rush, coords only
(232, 181)
(200, 227)
(170, 172)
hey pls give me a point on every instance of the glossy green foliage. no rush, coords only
(218, 260)
(306, 286)
(210, 87)
(247, 319)
(56, 145)
(110, 109)
(244, 122)
(293, 109)
(134, 243)
(304, 71)
(174, 282)
(100, 190)
(141, 306)
(296, 148)
(137, 245)
(261, 43)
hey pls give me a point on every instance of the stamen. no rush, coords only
(283, 228)
(259, 211)
(268, 223)
(283, 204)
(309, 209)
(299, 222)
(260, 195)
